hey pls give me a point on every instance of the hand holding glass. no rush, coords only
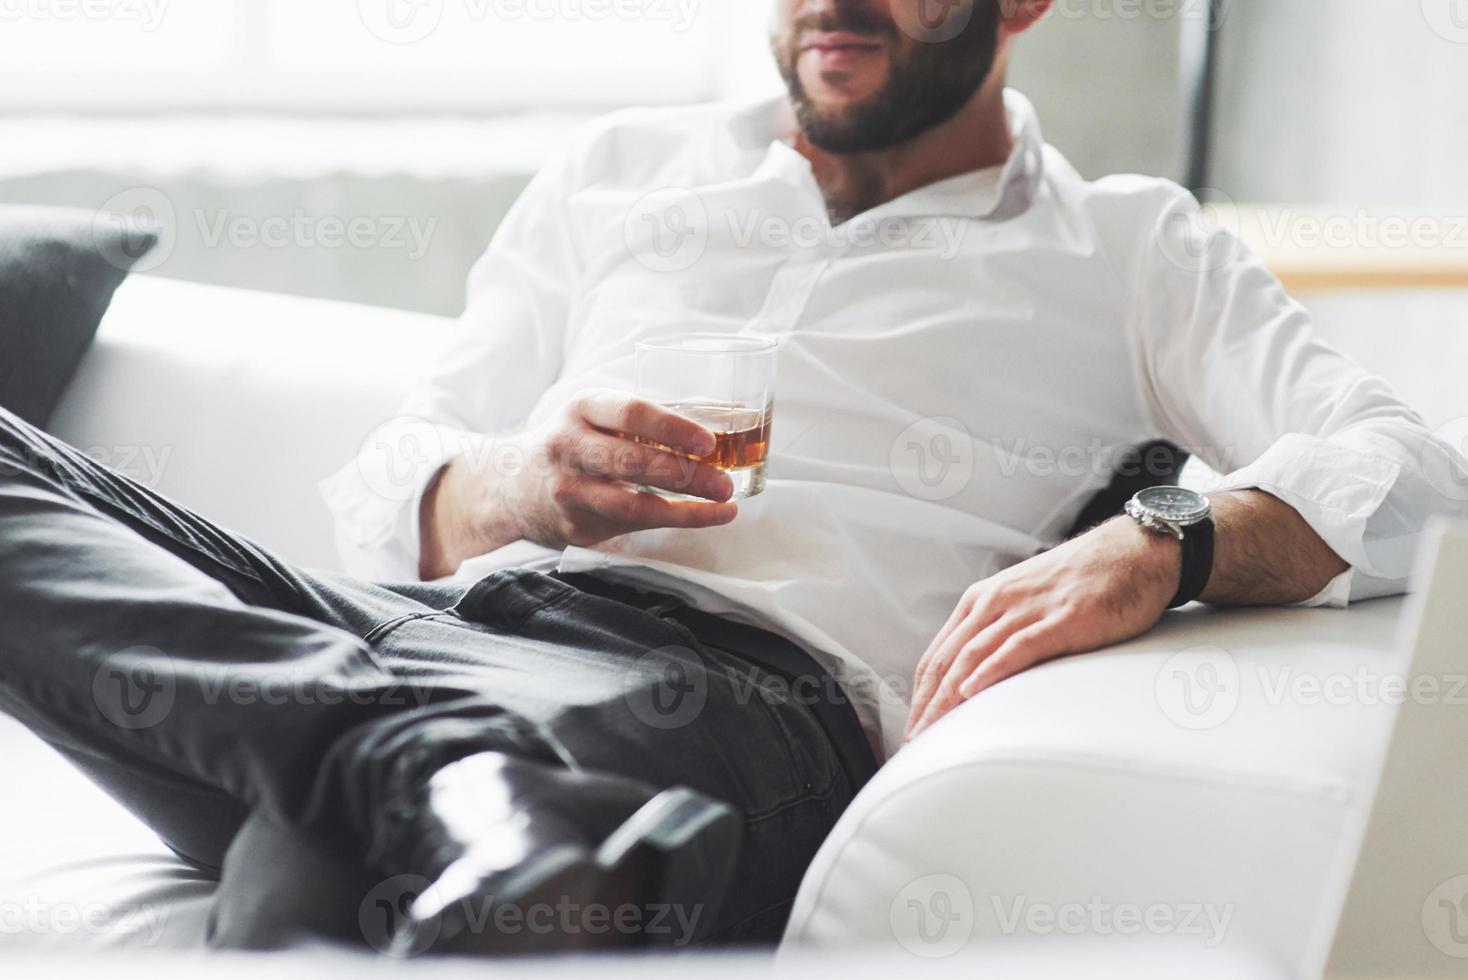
(724, 382)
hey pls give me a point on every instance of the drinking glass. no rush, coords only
(725, 382)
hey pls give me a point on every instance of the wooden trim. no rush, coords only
(1316, 249)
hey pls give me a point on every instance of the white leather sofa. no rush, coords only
(1167, 806)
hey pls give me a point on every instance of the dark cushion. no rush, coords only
(58, 271)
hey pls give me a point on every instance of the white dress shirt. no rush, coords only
(959, 370)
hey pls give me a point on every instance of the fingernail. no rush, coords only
(705, 443)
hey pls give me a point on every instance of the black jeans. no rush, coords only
(196, 677)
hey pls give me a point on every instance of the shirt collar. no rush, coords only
(997, 193)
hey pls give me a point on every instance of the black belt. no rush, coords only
(775, 654)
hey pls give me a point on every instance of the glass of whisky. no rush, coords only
(725, 382)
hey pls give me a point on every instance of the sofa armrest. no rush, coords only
(1191, 787)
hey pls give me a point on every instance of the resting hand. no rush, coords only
(1108, 585)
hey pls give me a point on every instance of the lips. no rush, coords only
(839, 42)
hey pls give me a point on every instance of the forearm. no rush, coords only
(1265, 554)
(462, 515)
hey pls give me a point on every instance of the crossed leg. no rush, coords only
(200, 679)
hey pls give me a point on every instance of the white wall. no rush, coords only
(1344, 102)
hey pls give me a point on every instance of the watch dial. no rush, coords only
(1172, 503)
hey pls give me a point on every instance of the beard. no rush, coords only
(927, 84)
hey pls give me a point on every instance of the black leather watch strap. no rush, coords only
(1197, 562)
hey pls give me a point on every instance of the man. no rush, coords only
(592, 707)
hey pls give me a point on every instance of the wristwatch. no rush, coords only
(1188, 517)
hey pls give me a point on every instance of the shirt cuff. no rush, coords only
(1336, 489)
(376, 498)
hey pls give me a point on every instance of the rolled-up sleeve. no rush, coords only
(506, 350)
(1235, 373)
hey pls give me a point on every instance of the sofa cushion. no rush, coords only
(58, 270)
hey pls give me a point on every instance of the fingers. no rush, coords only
(619, 412)
(971, 615)
(632, 510)
(614, 458)
(1023, 650)
(1000, 653)
(967, 649)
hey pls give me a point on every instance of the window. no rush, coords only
(370, 55)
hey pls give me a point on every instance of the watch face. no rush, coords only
(1174, 504)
